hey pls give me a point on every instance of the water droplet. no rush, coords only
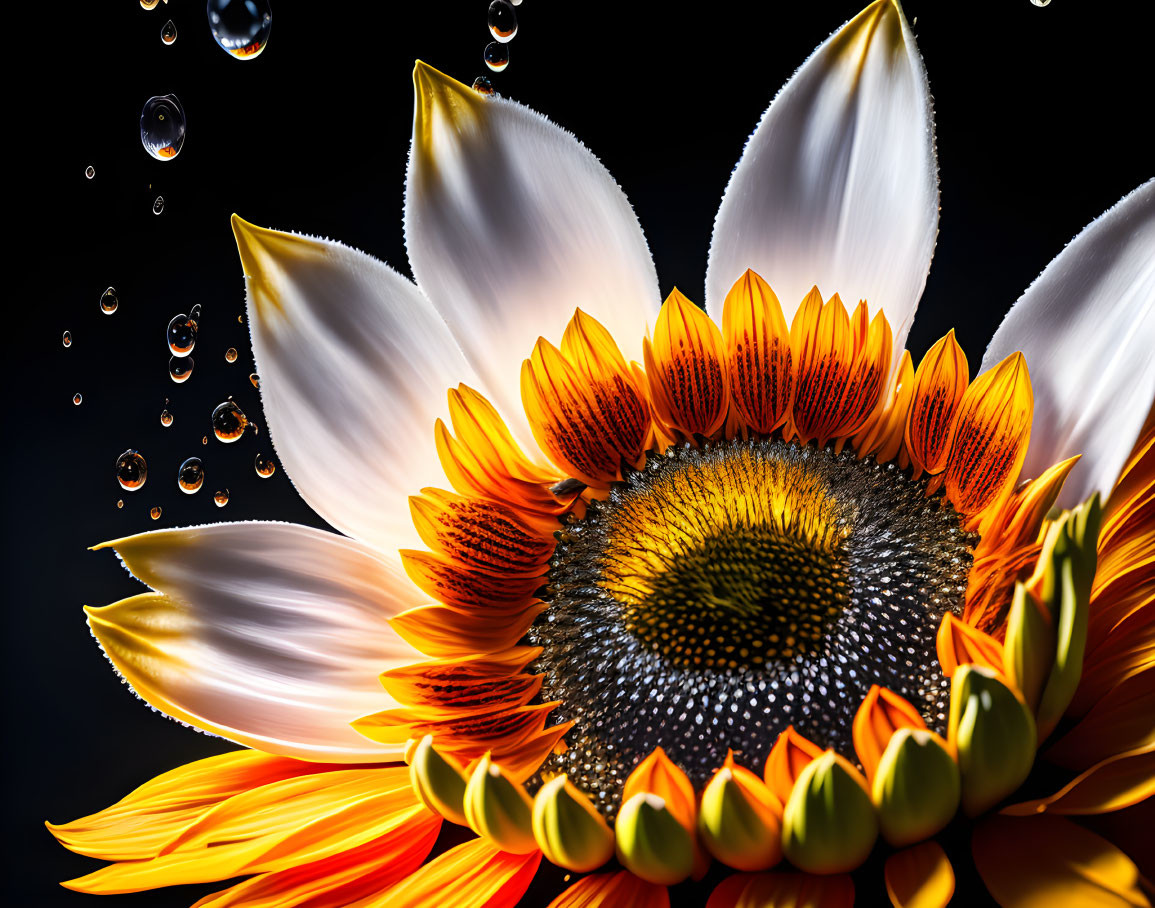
(515, 2)
(195, 312)
(255, 426)
(1041, 2)
(240, 319)
(162, 127)
(482, 85)
(255, 379)
(502, 21)
(120, 502)
(265, 466)
(90, 171)
(148, 4)
(155, 512)
(108, 301)
(231, 355)
(78, 398)
(180, 368)
(496, 56)
(165, 418)
(221, 498)
(241, 27)
(229, 422)
(191, 476)
(131, 470)
(205, 440)
(68, 340)
(181, 334)
(168, 33)
(158, 204)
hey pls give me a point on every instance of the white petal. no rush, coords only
(838, 184)
(511, 224)
(271, 635)
(1087, 328)
(354, 365)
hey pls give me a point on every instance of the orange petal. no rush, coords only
(471, 591)
(613, 890)
(883, 434)
(585, 406)
(1045, 861)
(466, 684)
(480, 535)
(783, 890)
(939, 386)
(448, 633)
(1120, 722)
(790, 755)
(340, 880)
(657, 774)
(881, 714)
(686, 368)
(920, 877)
(960, 644)
(992, 428)
(476, 873)
(138, 825)
(824, 354)
(1116, 783)
(873, 344)
(1126, 652)
(464, 735)
(759, 354)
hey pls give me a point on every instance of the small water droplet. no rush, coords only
(195, 312)
(181, 334)
(90, 171)
(205, 440)
(68, 339)
(231, 355)
(265, 466)
(165, 418)
(496, 56)
(131, 470)
(482, 85)
(515, 2)
(502, 21)
(155, 512)
(108, 301)
(158, 204)
(78, 398)
(240, 319)
(1041, 2)
(229, 422)
(255, 379)
(221, 498)
(168, 32)
(162, 128)
(148, 4)
(120, 502)
(191, 476)
(241, 27)
(180, 368)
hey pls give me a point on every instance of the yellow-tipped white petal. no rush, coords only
(354, 365)
(838, 184)
(511, 225)
(269, 634)
(1087, 328)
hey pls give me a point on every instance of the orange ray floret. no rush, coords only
(460, 588)
(881, 714)
(883, 433)
(587, 408)
(788, 890)
(465, 735)
(657, 774)
(920, 877)
(759, 354)
(939, 385)
(444, 632)
(960, 644)
(613, 890)
(471, 683)
(790, 754)
(992, 430)
(686, 369)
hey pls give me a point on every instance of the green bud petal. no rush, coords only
(829, 825)
(569, 830)
(916, 787)
(438, 783)
(1029, 650)
(499, 810)
(737, 826)
(993, 733)
(652, 844)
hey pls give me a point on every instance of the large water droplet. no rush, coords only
(162, 127)
(191, 476)
(502, 21)
(155, 512)
(231, 355)
(229, 422)
(265, 466)
(168, 32)
(1041, 2)
(68, 338)
(165, 418)
(241, 27)
(77, 398)
(109, 301)
(148, 4)
(131, 470)
(90, 171)
(255, 379)
(221, 498)
(482, 85)
(181, 335)
(496, 56)
(158, 204)
(180, 368)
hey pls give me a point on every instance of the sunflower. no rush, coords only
(741, 595)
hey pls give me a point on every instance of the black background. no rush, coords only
(1040, 128)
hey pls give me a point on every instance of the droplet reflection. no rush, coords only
(229, 422)
(231, 355)
(265, 466)
(502, 21)
(168, 32)
(162, 128)
(68, 338)
(165, 418)
(191, 476)
(241, 27)
(181, 335)
(158, 204)
(131, 470)
(77, 399)
(109, 301)
(496, 56)
(180, 368)
(221, 498)
(155, 512)
(90, 171)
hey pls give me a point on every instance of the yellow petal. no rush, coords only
(920, 877)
